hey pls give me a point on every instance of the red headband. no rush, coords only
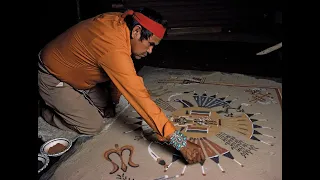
(154, 27)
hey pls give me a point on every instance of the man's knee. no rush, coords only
(92, 128)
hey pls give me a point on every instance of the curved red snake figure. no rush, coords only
(119, 152)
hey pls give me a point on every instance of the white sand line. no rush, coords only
(183, 170)
(166, 169)
(245, 104)
(238, 162)
(176, 94)
(106, 128)
(203, 172)
(220, 167)
(163, 177)
(268, 135)
(270, 144)
(262, 119)
(264, 127)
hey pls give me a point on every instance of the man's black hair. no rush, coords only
(150, 13)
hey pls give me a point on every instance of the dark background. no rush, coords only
(238, 29)
(215, 35)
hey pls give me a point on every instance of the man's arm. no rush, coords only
(120, 68)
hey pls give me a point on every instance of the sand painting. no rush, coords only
(241, 137)
(205, 116)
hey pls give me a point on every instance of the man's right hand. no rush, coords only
(193, 153)
(109, 111)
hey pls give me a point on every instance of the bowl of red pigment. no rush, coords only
(56, 147)
(43, 162)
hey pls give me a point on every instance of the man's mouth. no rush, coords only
(144, 55)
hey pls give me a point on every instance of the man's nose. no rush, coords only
(150, 49)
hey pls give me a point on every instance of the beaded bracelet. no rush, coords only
(178, 140)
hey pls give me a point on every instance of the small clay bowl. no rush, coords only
(43, 162)
(49, 144)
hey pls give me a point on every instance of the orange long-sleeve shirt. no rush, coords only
(96, 50)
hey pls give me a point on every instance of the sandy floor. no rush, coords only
(260, 160)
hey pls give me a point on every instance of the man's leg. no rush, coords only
(100, 96)
(69, 108)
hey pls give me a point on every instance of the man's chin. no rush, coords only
(137, 57)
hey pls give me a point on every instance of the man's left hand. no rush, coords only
(109, 111)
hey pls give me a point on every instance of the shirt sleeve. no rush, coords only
(120, 68)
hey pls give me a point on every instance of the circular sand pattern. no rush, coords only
(209, 123)
(193, 129)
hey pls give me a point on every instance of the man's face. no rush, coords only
(142, 48)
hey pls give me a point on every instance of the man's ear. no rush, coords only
(136, 32)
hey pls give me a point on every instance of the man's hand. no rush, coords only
(193, 153)
(109, 111)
